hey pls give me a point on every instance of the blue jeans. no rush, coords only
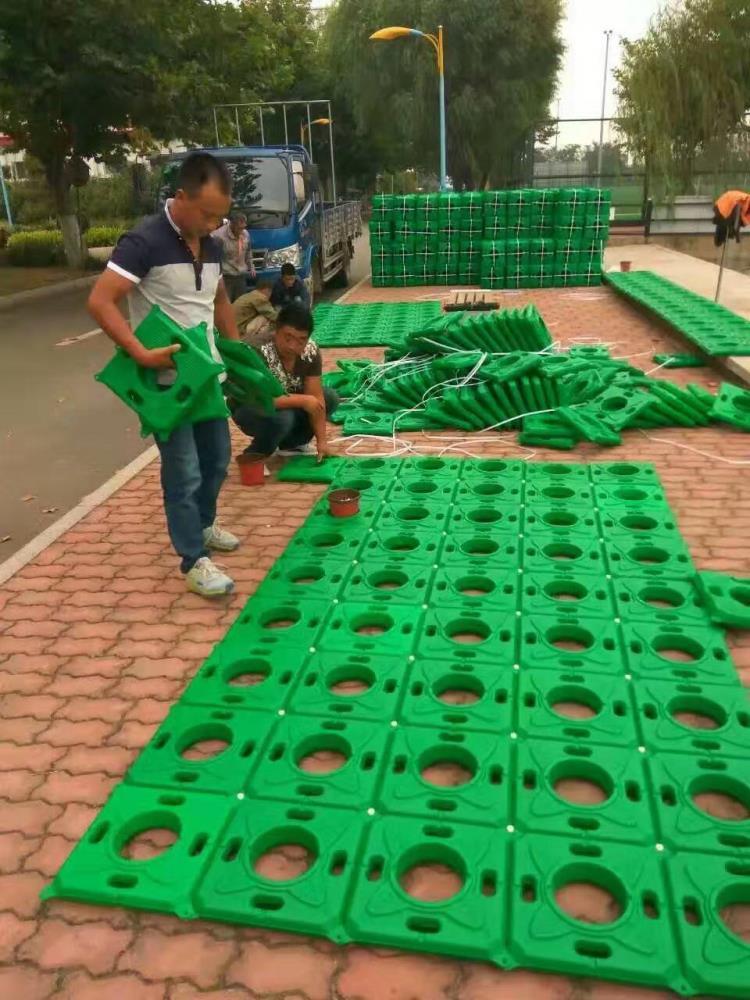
(280, 429)
(194, 463)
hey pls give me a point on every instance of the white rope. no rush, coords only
(697, 451)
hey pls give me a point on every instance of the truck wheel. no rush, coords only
(317, 277)
(341, 278)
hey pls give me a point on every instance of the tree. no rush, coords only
(501, 63)
(684, 88)
(78, 78)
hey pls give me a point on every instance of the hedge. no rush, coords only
(104, 236)
(41, 248)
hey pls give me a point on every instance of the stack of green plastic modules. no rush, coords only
(371, 324)
(527, 238)
(521, 623)
(717, 331)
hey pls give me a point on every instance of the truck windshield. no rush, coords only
(260, 188)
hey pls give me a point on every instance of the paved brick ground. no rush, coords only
(97, 639)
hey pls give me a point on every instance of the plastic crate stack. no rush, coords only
(526, 238)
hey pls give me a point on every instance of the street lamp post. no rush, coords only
(303, 126)
(436, 41)
(608, 35)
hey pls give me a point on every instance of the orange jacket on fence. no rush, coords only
(727, 203)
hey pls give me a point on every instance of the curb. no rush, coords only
(32, 549)
(45, 292)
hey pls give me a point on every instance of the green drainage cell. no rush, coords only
(587, 791)
(694, 718)
(521, 741)
(633, 943)
(447, 774)
(350, 686)
(461, 696)
(578, 707)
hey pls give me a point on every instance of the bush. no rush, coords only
(41, 248)
(104, 236)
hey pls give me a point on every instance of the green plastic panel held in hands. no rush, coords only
(501, 676)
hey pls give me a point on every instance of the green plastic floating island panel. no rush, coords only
(713, 328)
(510, 671)
(372, 324)
(528, 238)
(194, 396)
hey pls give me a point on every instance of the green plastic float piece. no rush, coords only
(307, 469)
(713, 328)
(679, 360)
(250, 382)
(194, 396)
(726, 598)
(732, 406)
(482, 622)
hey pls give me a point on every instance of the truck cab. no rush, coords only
(277, 188)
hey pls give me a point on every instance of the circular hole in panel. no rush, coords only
(412, 513)
(557, 469)
(733, 904)
(204, 742)
(562, 551)
(372, 623)
(639, 522)
(722, 797)
(284, 854)
(401, 543)
(621, 469)
(467, 630)
(661, 597)
(574, 702)
(488, 489)
(431, 873)
(370, 464)
(305, 574)
(565, 590)
(247, 673)
(581, 782)
(492, 466)
(447, 767)
(569, 638)
(421, 486)
(429, 464)
(360, 485)
(326, 540)
(479, 547)
(475, 586)
(458, 689)
(350, 681)
(322, 754)
(485, 515)
(388, 579)
(148, 836)
(558, 492)
(559, 518)
(694, 712)
(677, 648)
(280, 618)
(649, 555)
(590, 894)
(741, 595)
(630, 493)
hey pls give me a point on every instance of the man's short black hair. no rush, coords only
(199, 169)
(235, 216)
(263, 284)
(288, 268)
(297, 316)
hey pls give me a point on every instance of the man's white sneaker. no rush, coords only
(208, 580)
(219, 539)
(302, 449)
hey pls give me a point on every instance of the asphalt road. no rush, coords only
(61, 433)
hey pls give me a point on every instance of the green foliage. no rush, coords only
(88, 79)
(501, 63)
(104, 236)
(39, 248)
(684, 88)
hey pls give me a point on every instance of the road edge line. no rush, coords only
(44, 539)
(352, 290)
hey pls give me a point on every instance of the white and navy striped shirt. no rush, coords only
(156, 258)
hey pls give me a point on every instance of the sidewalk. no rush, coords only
(98, 638)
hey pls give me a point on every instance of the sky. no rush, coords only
(580, 82)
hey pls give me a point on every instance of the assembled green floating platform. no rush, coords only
(574, 586)
(371, 324)
(716, 330)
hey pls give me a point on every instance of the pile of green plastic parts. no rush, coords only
(454, 375)
(196, 394)
(717, 331)
(526, 238)
(370, 324)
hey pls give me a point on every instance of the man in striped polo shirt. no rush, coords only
(170, 260)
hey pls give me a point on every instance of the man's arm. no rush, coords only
(249, 254)
(313, 386)
(109, 289)
(224, 318)
(304, 294)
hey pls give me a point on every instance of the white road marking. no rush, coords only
(81, 336)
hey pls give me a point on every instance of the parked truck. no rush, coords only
(278, 189)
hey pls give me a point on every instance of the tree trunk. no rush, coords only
(69, 225)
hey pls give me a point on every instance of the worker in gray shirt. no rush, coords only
(236, 255)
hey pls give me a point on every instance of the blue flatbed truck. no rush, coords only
(277, 187)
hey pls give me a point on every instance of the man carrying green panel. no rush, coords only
(170, 260)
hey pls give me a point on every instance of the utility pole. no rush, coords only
(608, 35)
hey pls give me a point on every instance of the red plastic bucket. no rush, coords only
(625, 265)
(251, 468)
(343, 503)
